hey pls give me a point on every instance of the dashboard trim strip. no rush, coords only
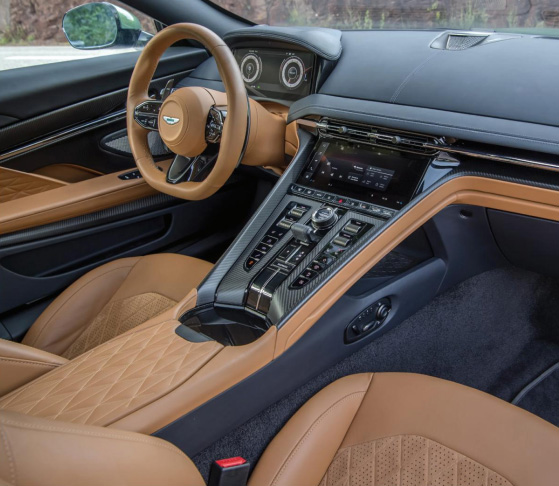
(495, 157)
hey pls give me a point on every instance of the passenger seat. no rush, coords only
(366, 429)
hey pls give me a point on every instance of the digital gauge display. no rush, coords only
(276, 73)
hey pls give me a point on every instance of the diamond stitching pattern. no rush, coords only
(407, 460)
(15, 185)
(116, 318)
(114, 379)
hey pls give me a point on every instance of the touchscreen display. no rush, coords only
(276, 73)
(375, 175)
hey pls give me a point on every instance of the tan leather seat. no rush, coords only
(368, 429)
(112, 299)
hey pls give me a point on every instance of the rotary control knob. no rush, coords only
(324, 218)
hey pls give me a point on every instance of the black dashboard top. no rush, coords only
(515, 78)
(325, 43)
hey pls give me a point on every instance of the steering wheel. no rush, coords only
(189, 119)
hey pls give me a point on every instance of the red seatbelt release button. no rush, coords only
(231, 461)
(232, 471)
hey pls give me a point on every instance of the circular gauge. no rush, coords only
(251, 68)
(292, 72)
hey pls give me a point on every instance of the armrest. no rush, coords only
(20, 364)
(37, 451)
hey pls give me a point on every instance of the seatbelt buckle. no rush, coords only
(232, 471)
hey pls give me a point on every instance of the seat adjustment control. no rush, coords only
(368, 320)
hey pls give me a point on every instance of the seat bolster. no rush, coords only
(20, 364)
(42, 452)
(168, 274)
(506, 439)
(305, 447)
(70, 313)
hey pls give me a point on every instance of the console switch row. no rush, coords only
(292, 213)
(335, 249)
(343, 201)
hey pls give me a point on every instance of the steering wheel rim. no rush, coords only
(235, 128)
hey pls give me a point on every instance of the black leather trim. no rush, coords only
(325, 43)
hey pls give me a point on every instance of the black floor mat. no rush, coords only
(541, 396)
(494, 332)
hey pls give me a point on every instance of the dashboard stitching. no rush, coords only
(410, 76)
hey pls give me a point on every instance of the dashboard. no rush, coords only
(282, 74)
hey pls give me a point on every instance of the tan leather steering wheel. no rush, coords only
(182, 118)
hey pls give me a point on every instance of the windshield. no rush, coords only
(528, 16)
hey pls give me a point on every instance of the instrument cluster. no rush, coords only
(276, 73)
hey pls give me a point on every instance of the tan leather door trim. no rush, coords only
(72, 200)
(477, 191)
(16, 185)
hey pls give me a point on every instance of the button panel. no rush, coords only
(135, 174)
(343, 201)
(146, 114)
(334, 250)
(292, 213)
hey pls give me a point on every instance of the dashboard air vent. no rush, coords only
(355, 132)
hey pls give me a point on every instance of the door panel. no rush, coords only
(66, 121)
(33, 91)
(54, 256)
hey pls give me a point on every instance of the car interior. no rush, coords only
(245, 253)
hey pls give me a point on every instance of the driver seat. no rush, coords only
(113, 299)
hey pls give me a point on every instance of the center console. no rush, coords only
(337, 194)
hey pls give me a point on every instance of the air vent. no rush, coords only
(459, 42)
(355, 132)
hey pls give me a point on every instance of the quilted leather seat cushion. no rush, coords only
(114, 379)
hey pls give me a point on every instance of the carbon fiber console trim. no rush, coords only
(208, 288)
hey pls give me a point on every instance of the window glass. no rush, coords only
(522, 16)
(31, 32)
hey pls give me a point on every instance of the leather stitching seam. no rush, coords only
(311, 429)
(9, 454)
(28, 362)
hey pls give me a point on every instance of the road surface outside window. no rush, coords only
(31, 33)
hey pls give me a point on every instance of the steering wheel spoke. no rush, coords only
(146, 114)
(190, 169)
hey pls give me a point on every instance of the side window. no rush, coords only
(31, 32)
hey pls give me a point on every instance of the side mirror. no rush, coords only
(101, 25)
